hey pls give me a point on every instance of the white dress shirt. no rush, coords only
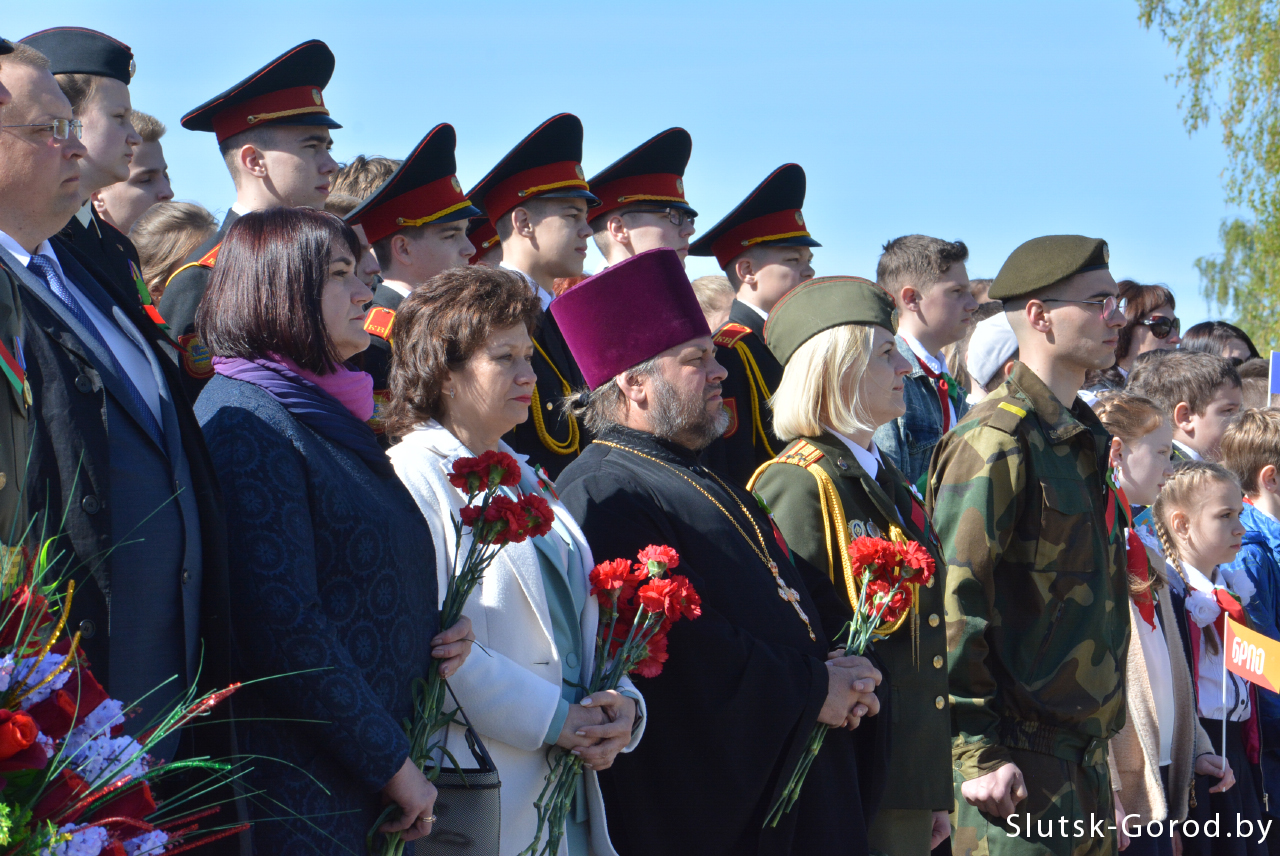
(868, 459)
(402, 290)
(1209, 684)
(1188, 451)
(756, 309)
(936, 363)
(544, 297)
(123, 338)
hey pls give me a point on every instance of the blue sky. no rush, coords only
(989, 122)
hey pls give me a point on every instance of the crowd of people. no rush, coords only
(237, 437)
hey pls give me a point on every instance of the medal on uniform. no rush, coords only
(856, 529)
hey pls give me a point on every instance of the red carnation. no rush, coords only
(662, 555)
(690, 602)
(609, 576)
(63, 790)
(538, 515)
(56, 715)
(17, 731)
(491, 469)
(874, 553)
(504, 521)
(651, 666)
(673, 597)
(916, 557)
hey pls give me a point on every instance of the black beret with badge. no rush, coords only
(77, 50)
(823, 303)
(1046, 261)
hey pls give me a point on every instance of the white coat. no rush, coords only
(510, 684)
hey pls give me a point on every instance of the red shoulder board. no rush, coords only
(729, 335)
(210, 257)
(378, 322)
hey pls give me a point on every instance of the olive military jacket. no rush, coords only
(818, 533)
(1036, 590)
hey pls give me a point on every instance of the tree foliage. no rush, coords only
(1230, 66)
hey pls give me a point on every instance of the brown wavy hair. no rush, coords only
(437, 329)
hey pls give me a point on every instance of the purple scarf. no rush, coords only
(309, 404)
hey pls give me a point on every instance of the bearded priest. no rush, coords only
(744, 685)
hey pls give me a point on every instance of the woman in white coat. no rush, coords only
(461, 378)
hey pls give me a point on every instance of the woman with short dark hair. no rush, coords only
(331, 565)
(1222, 340)
(461, 378)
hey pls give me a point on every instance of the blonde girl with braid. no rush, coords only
(1197, 520)
(1155, 756)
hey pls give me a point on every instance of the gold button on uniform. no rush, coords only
(937, 662)
(939, 702)
(933, 620)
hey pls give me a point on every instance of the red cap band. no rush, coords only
(418, 207)
(524, 186)
(770, 227)
(483, 238)
(298, 101)
(656, 187)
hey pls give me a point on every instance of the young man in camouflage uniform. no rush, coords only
(1037, 625)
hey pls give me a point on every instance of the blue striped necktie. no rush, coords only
(43, 268)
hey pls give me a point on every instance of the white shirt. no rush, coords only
(1155, 651)
(935, 362)
(85, 216)
(240, 209)
(756, 309)
(402, 290)
(543, 296)
(1188, 451)
(868, 459)
(1209, 685)
(124, 340)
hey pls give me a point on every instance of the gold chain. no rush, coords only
(785, 592)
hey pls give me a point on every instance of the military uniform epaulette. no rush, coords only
(802, 454)
(379, 322)
(1002, 412)
(205, 261)
(730, 334)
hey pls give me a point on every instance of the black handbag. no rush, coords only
(468, 806)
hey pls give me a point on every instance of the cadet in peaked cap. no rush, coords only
(642, 202)
(484, 239)
(93, 70)
(537, 200)
(280, 107)
(416, 223)
(763, 248)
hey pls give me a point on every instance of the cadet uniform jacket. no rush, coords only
(112, 253)
(181, 299)
(550, 437)
(1036, 590)
(753, 375)
(821, 499)
(376, 360)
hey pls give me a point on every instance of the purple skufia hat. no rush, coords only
(628, 313)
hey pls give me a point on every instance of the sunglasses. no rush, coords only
(1161, 326)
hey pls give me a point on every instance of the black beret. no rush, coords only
(76, 50)
(6, 47)
(1042, 262)
(823, 303)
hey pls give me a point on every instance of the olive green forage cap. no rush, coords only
(1041, 262)
(823, 303)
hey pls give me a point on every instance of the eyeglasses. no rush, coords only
(677, 216)
(1111, 304)
(1161, 326)
(62, 128)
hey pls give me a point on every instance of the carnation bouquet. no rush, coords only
(887, 575)
(71, 782)
(495, 520)
(638, 604)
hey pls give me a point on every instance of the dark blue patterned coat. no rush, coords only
(331, 569)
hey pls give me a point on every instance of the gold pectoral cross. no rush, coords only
(792, 597)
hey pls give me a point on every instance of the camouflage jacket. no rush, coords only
(1036, 592)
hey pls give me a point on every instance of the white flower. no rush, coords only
(32, 671)
(149, 844)
(1203, 608)
(85, 841)
(1239, 582)
(111, 757)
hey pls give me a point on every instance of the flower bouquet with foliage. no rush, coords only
(495, 520)
(887, 575)
(71, 783)
(638, 605)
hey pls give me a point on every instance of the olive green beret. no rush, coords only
(1041, 262)
(823, 303)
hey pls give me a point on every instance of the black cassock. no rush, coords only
(734, 706)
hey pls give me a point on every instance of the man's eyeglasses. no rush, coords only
(677, 216)
(1161, 326)
(1111, 304)
(62, 128)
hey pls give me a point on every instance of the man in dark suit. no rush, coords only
(93, 70)
(118, 470)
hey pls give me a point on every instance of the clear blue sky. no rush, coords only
(981, 121)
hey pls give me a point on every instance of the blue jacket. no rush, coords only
(1258, 558)
(333, 587)
(908, 441)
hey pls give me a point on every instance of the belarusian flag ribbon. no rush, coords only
(14, 372)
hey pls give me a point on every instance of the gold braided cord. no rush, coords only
(556, 185)
(755, 380)
(645, 197)
(263, 117)
(422, 221)
(570, 446)
(784, 235)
